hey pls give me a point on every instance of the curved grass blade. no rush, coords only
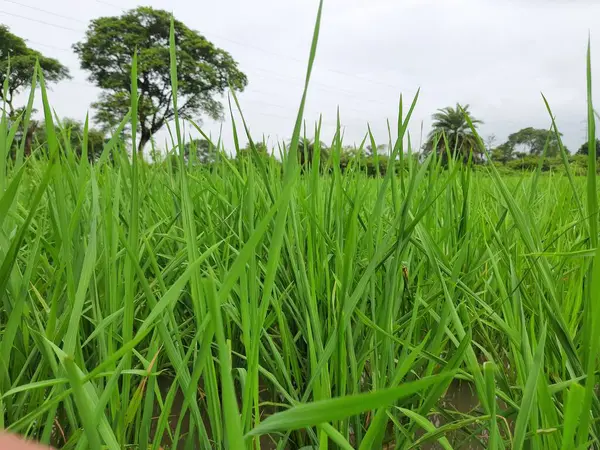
(330, 410)
(528, 401)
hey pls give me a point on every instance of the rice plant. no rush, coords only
(261, 304)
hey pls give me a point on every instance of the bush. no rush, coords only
(577, 163)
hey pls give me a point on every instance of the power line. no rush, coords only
(271, 73)
(316, 84)
(282, 55)
(43, 22)
(102, 2)
(346, 107)
(81, 83)
(319, 85)
(226, 39)
(259, 104)
(61, 49)
(303, 62)
(45, 11)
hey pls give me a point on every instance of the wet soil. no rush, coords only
(460, 398)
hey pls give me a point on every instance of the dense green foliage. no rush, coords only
(253, 303)
(17, 63)
(106, 52)
(533, 141)
(584, 149)
(72, 136)
(451, 134)
(379, 282)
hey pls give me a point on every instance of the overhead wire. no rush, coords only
(60, 49)
(103, 2)
(317, 84)
(280, 77)
(224, 38)
(45, 11)
(50, 24)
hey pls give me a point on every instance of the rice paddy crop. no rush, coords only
(259, 304)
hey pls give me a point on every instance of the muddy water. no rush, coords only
(164, 384)
(460, 397)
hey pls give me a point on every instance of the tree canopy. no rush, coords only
(204, 151)
(73, 132)
(533, 140)
(503, 153)
(450, 126)
(584, 149)
(261, 149)
(204, 71)
(14, 51)
(306, 151)
(380, 149)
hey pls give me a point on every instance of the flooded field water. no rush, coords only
(460, 398)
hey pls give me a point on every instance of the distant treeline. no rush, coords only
(544, 152)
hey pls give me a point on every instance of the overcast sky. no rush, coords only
(496, 55)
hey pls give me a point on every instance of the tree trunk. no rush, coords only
(9, 102)
(144, 139)
(29, 138)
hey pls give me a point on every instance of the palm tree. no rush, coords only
(450, 126)
(306, 152)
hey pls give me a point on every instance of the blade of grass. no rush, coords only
(311, 414)
(527, 402)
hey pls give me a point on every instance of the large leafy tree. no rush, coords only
(205, 152)
(533, 140)
(380, 149)
(584, 149)
(71, 133)
(503, 153)
(204, 71)
(202, 150)
(261, 149)
(17, 61)
(306, 151)
(450, 126)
